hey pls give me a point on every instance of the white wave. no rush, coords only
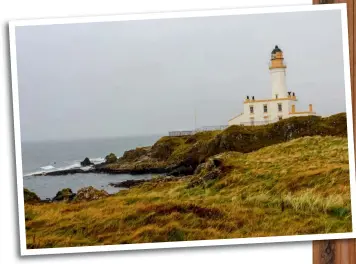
(71, 165)
(48, 167)
(32, 173)
(97, 160)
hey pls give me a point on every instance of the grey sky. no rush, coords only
(146, 77)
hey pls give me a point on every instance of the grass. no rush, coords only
(293, 188)
(195, 149)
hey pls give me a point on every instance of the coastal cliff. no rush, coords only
(179, 156)
(288, 178)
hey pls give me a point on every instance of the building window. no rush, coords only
(265, 108)
(279, 107)
(276, 96)
(279, 118)
(251, 109)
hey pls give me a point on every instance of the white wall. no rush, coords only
(259, 115)
(278, 79)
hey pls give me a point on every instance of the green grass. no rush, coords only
(293, 188)
(195, 149)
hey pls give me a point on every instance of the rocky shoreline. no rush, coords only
(89, 193)
(181, 156)
(178, 170)
(83, 194)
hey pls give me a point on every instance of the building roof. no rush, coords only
(276, 49)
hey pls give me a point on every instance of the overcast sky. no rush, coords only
(147, 77)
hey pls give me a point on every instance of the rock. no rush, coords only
(211, 175)
(63, 172)
(217, 162)
(64, 195)
(206, 166)
(30, 197)
(89, 194)
(111, 158)
(128, 183)
(86, 162)
(181, 171)
(135, 154)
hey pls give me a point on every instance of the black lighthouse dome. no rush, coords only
(276, 49)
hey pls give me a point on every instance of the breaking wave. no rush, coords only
(71, 165)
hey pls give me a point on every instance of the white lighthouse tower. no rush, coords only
(278, 74)
(282, 104)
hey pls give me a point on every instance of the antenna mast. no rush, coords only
(195, 118)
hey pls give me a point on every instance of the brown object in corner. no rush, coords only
(334, 252)
(340, 251)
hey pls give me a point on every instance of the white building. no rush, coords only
(281, 104)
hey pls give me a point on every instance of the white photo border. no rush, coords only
(179, 14)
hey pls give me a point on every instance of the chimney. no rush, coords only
(293, 109)
(310, 108)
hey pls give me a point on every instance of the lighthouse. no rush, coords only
(277, 70)
(282, 103)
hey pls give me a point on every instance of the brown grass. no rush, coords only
(293, 188)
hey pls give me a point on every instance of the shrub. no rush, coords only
(111, 158)
(30, 197)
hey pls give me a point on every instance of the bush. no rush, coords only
(111, 158)
(30, 197)
(64, 195)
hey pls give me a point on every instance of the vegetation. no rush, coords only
(111, 158)
(89, 194)
(64, 194)
(300, 186)
(30, 197)
(195, 149)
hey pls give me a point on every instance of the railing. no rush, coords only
(259, 123)
(181, 133)
(211, 128)
(192, 132)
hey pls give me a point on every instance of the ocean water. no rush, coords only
(58, 155)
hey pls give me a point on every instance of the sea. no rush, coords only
(45, 156)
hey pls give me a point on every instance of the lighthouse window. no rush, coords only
(251, 109)
(279, 107)
(265, 108)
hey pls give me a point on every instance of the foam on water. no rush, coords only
(48, 167)
(71, 165)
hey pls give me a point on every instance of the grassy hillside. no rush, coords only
(195, 149)
(297, 187)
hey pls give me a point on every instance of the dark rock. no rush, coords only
(47, 200)
(63, 172)
(64, 195)
(128, 183)
(86, 162)
(181, 171)
(134, 171)
(217, 162)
